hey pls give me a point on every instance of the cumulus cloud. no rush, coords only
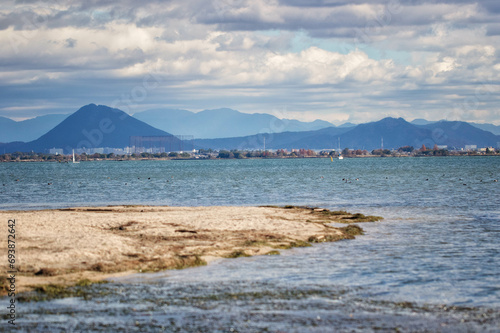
(332, 59)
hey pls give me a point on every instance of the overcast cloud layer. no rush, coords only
(335, 60)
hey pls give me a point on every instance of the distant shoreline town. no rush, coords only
(209, 154)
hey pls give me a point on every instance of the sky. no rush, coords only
(335, 60)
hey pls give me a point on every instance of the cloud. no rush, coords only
(333, 59)
(70, 42)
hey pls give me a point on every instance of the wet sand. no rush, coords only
(64, 246)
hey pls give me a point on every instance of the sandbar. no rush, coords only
(63, 246)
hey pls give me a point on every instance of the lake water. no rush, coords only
(432, 265)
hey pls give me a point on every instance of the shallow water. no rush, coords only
(431, 265)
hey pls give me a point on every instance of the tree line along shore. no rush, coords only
(407, 151)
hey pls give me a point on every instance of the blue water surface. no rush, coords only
(436, 249)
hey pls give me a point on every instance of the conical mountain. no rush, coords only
(94, 126)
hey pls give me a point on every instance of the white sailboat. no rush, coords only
(74, 160)
(340, 154)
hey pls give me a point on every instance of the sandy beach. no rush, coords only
(64, 246)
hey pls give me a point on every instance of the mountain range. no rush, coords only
(223, 123)
(388, 132)
(485, 127)
(208, 124)
(95, 126)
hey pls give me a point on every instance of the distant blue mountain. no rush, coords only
(29, 129)
(393, 132)
(223, 123)
(101, 126)
(92, 126)
(485, 127)
(488, 127)
(5, 123)
(348, 125)
(459, 134)
(421, 121)
(324, 138)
